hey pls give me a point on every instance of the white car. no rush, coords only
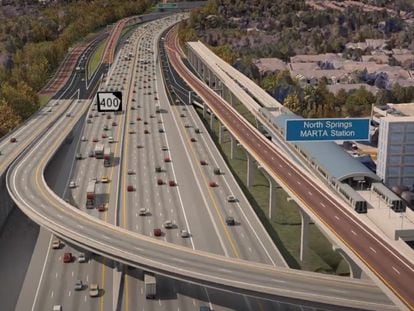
(93, 290)
(143, 211)
(231, 198)
(168, 224)
(56, 244)
(82, 258)
(72, 184)
(184, 233)
(84, 138)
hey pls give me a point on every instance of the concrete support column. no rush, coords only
(250, 167)
(232, 145)
(204, 109)
(220, 134)
(354, 270)
(272, 192)
(304, 235)
(211, 121)
(209, 78)
(231, 99)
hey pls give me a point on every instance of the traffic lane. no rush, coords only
(242, 207)
(398, 282)
(161, 253)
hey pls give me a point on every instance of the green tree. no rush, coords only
(359, 103)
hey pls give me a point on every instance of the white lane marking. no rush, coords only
(310, 193)
(51, 294)
(336, 217)
(56, 275)
(298, 182)
(70, 293)
(87, 278)
(371, 248)
(43, 271)
(395, 270)
(323, 205)
(353, 232)
(85, 298)
(73, 273)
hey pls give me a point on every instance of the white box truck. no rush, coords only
(150, 286)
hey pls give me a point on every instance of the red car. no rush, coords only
(101, 207)
(130, 188)
(172, 183)
(202, 162)
(167, 159)
(104, 135)
(157, 232)
(160, 182)
(13, 139)
(139, 119)
(114, 123)
(67, 257)
(213, 184)
(95, 140)
(193, 139)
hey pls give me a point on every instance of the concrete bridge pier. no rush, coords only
(304, 235)
(204, 109)
(250, 168)
(232, 145)
(211, 121)
(354, 270)
(220, 133)
(272, 192)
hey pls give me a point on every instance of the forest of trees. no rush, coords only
(34, 45)
(241, 30)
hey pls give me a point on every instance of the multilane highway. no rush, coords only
(391, 267)
(42, 205)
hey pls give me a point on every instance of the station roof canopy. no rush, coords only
(335, 161)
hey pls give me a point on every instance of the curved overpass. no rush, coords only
(27, 186)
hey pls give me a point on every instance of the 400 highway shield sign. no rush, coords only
(109, 101)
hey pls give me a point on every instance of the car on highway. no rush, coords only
(139, 119)
(230, 221)
(89, 121)
(184, 233)
(13, 140)
(143, 211)
(79, 156)
(203, 162)
(104, 135)
(197, 130)
(213, 184)
(105, 127)
(93, 290)
(164, 148)
(131, 131)
(161, 130)
(114, 123)
(132, 108)
(168, 224)
(193, 139)
(110, 139)
(131, 172)
(56, 244)
(57, 308)
(231, 198)
(102, 207)
(167, 159)
(67, 257)
(158, 169)
(139, 146)
(182, 115)
(108, 117)
(82, 258)
(131, 122)
(130, 188)
(157, 232)
(172, 183)
(160, 182)
(217, 171)
(104, 179)
(72, 184)
(205, 308)
(68, 115)
(146, 131)
(91, 154)
(187, 126)
(145, 122)
(95, 140)
(78, 285)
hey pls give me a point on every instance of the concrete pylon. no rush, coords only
(220, 134)
(304, 235)
(211, 121)
(204, 109)
(232, 145)
(354, 270)
(250, 167)
(272, 192)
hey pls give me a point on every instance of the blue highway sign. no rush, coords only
(327, 129)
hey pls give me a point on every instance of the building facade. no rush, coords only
(396, 150)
